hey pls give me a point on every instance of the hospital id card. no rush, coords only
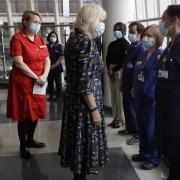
(163, 74)
(141, 77)
(39, 90)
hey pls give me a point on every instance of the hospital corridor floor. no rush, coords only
(45, 165)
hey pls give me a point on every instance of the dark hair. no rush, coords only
(52, 32)
(140, 27)
(122, 27)
(173, 10)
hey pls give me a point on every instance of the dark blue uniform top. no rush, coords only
(55, 52)
(128, 67)
(145, 78)
(168, 102)
(169, 64)
(145, 74)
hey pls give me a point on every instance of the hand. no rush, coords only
(96, 116)
(108, 72)
(120, 85)
(111, 75)
(41, 80)
(52, 66)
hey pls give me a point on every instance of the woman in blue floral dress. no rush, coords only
(83, 143)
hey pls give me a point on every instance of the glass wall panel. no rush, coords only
(60, 5)
(163, 5)
(46, 28)
(4, 51)
(3, 8)
(19, 6)
(152, 8)
(44, 6)
(177, 1)
(140, 9)
(74, 6)
(17, 26)
(92, 1)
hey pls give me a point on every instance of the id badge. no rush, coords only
(163, 74)
(141, 77)
(129, 65)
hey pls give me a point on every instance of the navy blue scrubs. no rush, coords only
(55, 52)
(145, 78)
(127, 83)
(168, 105)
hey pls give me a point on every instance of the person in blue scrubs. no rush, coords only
(168, 92)
(56, 52)
(136, 47)
(145, 77)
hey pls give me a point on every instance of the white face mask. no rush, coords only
(164, 31)
(100, 28)
(118, 34)
(148, 42)
(53, 39)
(133, 37)
(34, 27)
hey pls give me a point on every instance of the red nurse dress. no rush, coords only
(22, 104)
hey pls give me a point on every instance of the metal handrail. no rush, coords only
(42, 14)
(146, 20)
(43, 25)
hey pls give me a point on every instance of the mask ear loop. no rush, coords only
(170, 20)
(138, 36)
(177, 18)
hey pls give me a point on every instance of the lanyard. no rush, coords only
(163, 56)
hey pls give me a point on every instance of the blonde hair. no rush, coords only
(155, 31)
(88, 17)
(27, 15)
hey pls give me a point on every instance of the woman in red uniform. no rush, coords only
(30, 67)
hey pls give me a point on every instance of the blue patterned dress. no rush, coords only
(83, 145)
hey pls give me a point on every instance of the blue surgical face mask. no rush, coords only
(100, 28)
(34, 27)
(162, 29)
(132, 37)
(148, 42)
(118, 34)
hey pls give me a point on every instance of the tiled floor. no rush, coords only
(49, 131)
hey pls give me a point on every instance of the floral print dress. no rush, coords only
(83, 145)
